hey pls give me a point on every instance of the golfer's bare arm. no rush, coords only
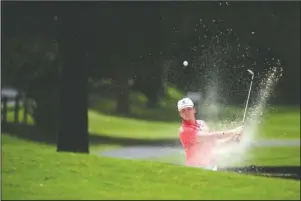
(214, 135)
(225, 141)
(206, 134)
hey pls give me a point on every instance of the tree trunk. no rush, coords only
(4, 113)
(73, 121)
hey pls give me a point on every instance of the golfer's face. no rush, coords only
(187, 113)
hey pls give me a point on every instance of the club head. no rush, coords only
(251, 72)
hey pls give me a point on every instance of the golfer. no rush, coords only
(197, 140)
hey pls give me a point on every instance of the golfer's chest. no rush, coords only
(199, 127)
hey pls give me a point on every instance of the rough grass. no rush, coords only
(34, 171)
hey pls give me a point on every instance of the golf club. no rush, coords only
(251, 72)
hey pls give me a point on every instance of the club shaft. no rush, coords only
(246, 107)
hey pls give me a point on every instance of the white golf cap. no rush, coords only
(184, 103)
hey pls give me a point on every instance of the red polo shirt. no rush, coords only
(197, 153)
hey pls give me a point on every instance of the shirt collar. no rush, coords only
(187, 123)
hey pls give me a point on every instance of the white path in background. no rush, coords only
(10, 93)
(143, 152)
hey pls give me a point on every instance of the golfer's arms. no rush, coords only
(225, 141)
(214, 135)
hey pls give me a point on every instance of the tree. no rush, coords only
(73, 120)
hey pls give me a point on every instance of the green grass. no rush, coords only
(261, 156)
(281, 123)
(34, 171)
(275, 156)
(132, 128)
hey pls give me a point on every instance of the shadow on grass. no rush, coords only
(285, 172)
(31, 133)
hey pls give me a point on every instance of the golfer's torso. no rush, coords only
(197, 153)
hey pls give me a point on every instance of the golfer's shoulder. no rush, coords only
(186, 129)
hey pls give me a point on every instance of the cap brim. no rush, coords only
(186, 106)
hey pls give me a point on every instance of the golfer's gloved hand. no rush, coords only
(237, 137)
(238, 133)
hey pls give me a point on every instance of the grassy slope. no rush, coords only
(281, 123)
(263, 156)
(33, 171)
(275, 156)
(128, 127)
